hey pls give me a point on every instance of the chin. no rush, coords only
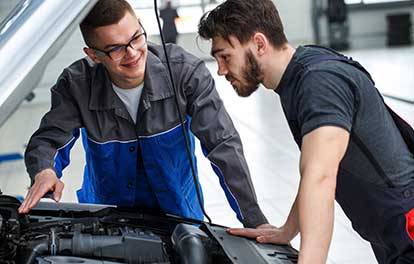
(138, 73)
(135, 73)
(245, 92)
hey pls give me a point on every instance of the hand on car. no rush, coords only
(264, 233)
(45, 181)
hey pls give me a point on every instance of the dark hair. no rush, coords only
(243, 18)
(104, 13)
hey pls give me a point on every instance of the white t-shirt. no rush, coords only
(130, 98)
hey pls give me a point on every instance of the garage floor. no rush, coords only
(269, 148)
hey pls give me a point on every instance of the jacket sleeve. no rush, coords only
(49, 146)
(222, 145)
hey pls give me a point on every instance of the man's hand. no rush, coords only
(265, 233)
(45, 181)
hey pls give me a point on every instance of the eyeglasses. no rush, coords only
(118, 52)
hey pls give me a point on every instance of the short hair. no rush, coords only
(104, 13)
(242, 19)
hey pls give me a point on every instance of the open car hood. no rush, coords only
(30, 37)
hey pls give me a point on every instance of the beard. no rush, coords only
(252, 75)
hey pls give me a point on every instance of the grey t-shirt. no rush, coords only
(130, 98)
(335, 93)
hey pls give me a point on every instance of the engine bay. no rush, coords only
(75, 233)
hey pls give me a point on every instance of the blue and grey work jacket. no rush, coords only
(83, 102)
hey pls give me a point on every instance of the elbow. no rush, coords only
(325, 181)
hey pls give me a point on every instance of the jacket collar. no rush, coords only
(102, 96)
(157, 85)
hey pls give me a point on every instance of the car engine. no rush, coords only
(74, 233)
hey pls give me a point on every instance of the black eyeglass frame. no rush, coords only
(125, 46)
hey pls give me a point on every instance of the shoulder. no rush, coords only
(83, 68)
(322, 84)
(184, 65)
(317, 60)
(78, 77)
(176, 55)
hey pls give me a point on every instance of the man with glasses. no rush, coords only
(121, 100)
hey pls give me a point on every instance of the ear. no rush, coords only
(91, 54)
(261, 43)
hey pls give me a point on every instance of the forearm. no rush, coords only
(291, 225)
(238, 184)
(254, 217)
(38, 158)
(316, 207)
(50, 145)
(231, 168)
(40, 155)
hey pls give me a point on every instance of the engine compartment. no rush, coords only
(53, 233)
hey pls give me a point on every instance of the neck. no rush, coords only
(127, 83)
(275, 65)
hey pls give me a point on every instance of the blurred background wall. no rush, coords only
(366, 23)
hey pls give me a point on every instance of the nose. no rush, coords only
(222, 70)
(130, 51)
